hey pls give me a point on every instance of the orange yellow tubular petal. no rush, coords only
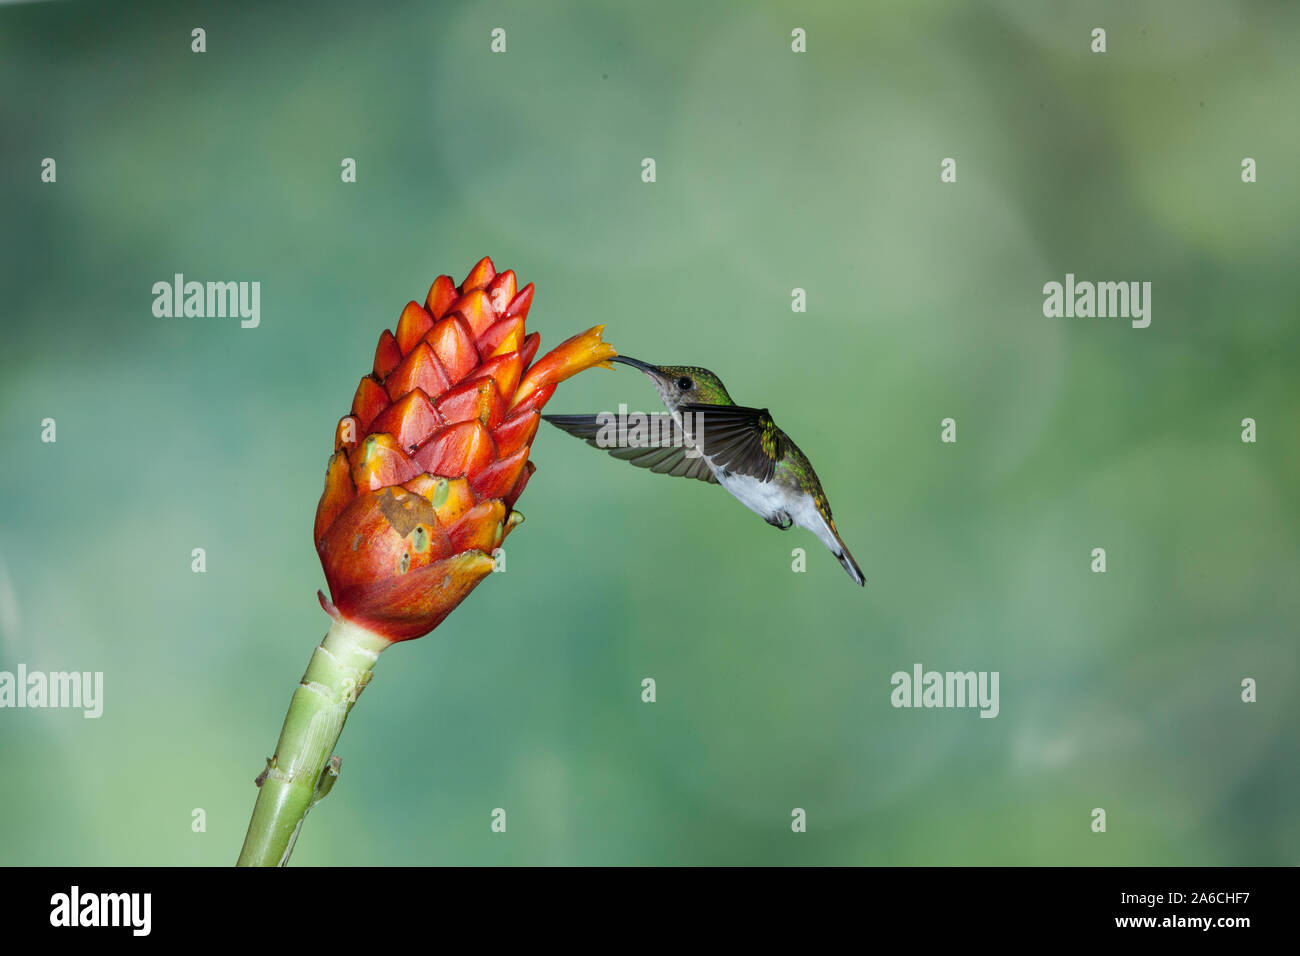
(570, 357)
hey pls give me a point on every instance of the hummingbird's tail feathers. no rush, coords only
(648, 441)
(810, 516)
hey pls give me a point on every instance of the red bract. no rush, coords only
(428, 465)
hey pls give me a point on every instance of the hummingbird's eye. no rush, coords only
(685, 384)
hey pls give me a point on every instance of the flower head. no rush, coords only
(428, 465)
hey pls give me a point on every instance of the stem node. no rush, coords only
(304, 767)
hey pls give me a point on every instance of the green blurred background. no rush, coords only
(775, 170)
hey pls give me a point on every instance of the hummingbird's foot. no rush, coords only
(780, 520)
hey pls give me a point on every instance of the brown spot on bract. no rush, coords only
(405, 511)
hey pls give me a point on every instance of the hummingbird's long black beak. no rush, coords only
(636, 363)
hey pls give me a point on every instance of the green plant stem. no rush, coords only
(303, 769)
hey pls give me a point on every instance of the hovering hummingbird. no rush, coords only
(705, 435)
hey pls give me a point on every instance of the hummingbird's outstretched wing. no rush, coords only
(744, 441)
(657, 444)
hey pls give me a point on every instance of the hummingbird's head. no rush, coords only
(682, 384)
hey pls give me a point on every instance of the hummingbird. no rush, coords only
(707, 436)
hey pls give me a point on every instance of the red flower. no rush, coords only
(429, 464)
